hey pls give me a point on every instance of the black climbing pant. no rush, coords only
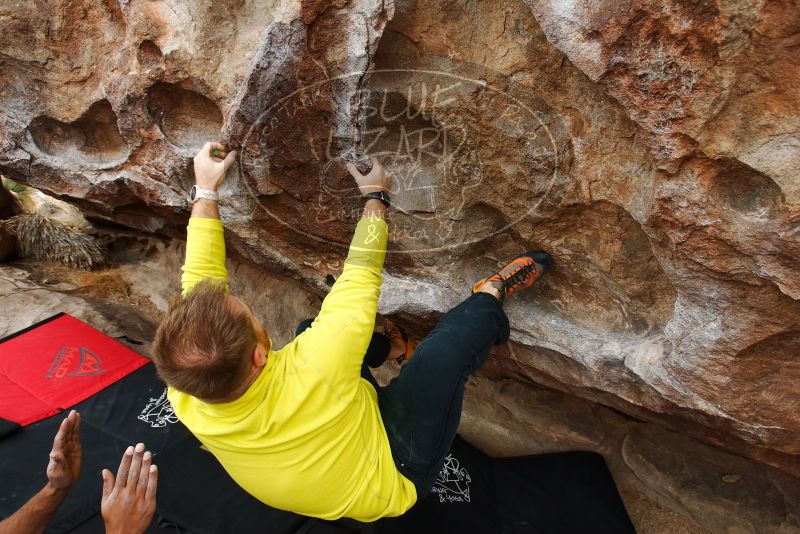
(421, 407)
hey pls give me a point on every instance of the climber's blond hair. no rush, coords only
(204, 346)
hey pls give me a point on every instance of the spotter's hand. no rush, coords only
(129, 501)
(211, 164)
(65, 458)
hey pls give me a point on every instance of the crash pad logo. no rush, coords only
(75, 361)
(452, 484)
(158, 412)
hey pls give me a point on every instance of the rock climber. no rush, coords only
(306, 428)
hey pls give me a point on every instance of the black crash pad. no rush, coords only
(559, 493)
(129, 411)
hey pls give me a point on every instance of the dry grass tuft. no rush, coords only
(46, 239)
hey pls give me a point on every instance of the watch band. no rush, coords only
(197, 193)
(379, 195)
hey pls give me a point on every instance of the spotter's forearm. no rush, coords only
(36, 514)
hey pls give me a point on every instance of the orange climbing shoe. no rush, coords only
(394, 332)
(519, 274)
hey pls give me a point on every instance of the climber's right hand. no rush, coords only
(211, 164)
(375, 180)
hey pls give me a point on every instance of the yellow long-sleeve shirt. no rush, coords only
(307, 436)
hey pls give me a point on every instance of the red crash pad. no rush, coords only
(56, 364)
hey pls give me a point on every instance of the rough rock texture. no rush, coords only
(670, 483)
(652, 147)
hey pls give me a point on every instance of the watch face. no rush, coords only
(193, 193)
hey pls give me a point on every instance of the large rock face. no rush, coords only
(651, 147)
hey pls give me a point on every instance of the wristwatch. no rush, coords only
(197, 193)
(383, 196)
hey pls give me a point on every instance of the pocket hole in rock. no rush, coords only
(93, 138)
(740, 188)
(149, 54)
(187, 118)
